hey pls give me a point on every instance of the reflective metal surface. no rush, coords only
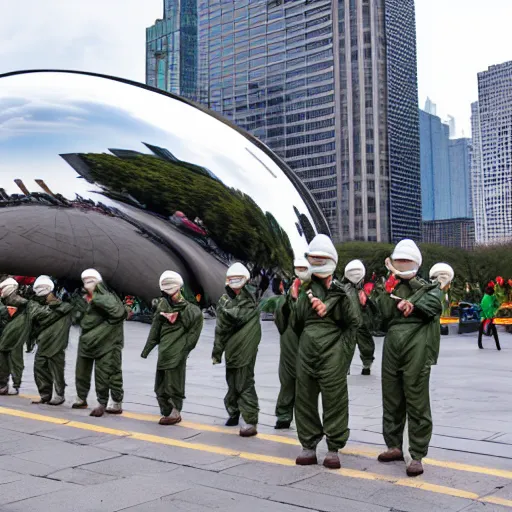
(104, 173)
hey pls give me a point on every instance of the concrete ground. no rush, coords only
(60, 460)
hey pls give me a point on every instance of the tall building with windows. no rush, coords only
(171, 49)
(331, 87)
(492, 163)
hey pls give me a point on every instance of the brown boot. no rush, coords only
(391, 455)
(169, 420)
(98, 412)
(332, 460)
(41, 400)
(4, 390)
(79, 404)
(415, 468)
(306, 458)
(248, 431)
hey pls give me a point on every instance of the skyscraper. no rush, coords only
(445, 184)
(430, 107)
(492, 162)
(171, 49)
(331, 87)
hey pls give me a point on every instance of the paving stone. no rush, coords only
(108, 497)
(72, 455)
(81, 477)
(17, 465)
(28, 488)
(6, 475)
(128, 465)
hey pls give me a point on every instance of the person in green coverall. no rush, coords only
(289, 345)
(410, 309)
(325, 320)
(15, 334)
(238, 335)
(51, 323)
(100, 347)
(353, 281)
(175, 329)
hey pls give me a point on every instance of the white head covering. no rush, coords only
(355, 271)
(170, 282)
(8, 287)
(91, 278)
(407, 250)
(43, 286)
(237, 276)
(303, 275)
(442, 273)
(322, 256)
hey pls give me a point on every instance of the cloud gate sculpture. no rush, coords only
(101, 172)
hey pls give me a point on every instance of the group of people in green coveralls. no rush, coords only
(320, 321)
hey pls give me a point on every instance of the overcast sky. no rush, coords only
(456, 40)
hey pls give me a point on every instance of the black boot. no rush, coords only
(233, 421)
(282, 425)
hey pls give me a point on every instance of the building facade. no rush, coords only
(331, 87)
(492, 163)
(445, 185)
(171, 49)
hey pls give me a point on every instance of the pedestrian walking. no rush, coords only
(489, 307)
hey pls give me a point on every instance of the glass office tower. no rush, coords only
(331, 87)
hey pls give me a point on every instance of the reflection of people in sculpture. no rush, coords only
(238, 335)
(353, 281)
(289, 344)
(410, 311)
(51, 323)
(175, 329)
(100, 346)
(15, 334)
(326, 320)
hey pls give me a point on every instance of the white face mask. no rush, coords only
(303, 273)
(322, 267)
(404, 269)
(355, 276)
(236, 282)
(42, 291)
(9, 290)
(90, 284)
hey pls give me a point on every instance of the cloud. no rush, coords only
(104, 36)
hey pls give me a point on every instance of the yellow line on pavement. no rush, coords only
(256, 457)
(348, 450)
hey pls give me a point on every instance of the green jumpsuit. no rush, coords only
(364, 338)
(175, 342)
(321, 365)
(238, 335)
(15, 334)
(411, 347)
(289, 345)
(100, 346)
(50, 330)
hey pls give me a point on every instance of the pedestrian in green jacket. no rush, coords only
(326, 321)
(15, 334)
(489, 307)
(51, 323)
(100, 346)
(410, 309)
(238, 335)
(353, 281)
(289, 344)
(175, 329)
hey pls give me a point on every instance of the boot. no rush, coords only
(79, 404)
(415, 468)
(14, 391)
(366, 371)
(57, 400)
(4, 390)
(173, 419)
(306, 458)
(233, 421)
(98, 412)
(282, 425)
(248, 431)
(115, 408)
(41, 400)
(391, 455)
(332, 460)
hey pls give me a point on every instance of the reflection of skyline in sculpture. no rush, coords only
(196, 196)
